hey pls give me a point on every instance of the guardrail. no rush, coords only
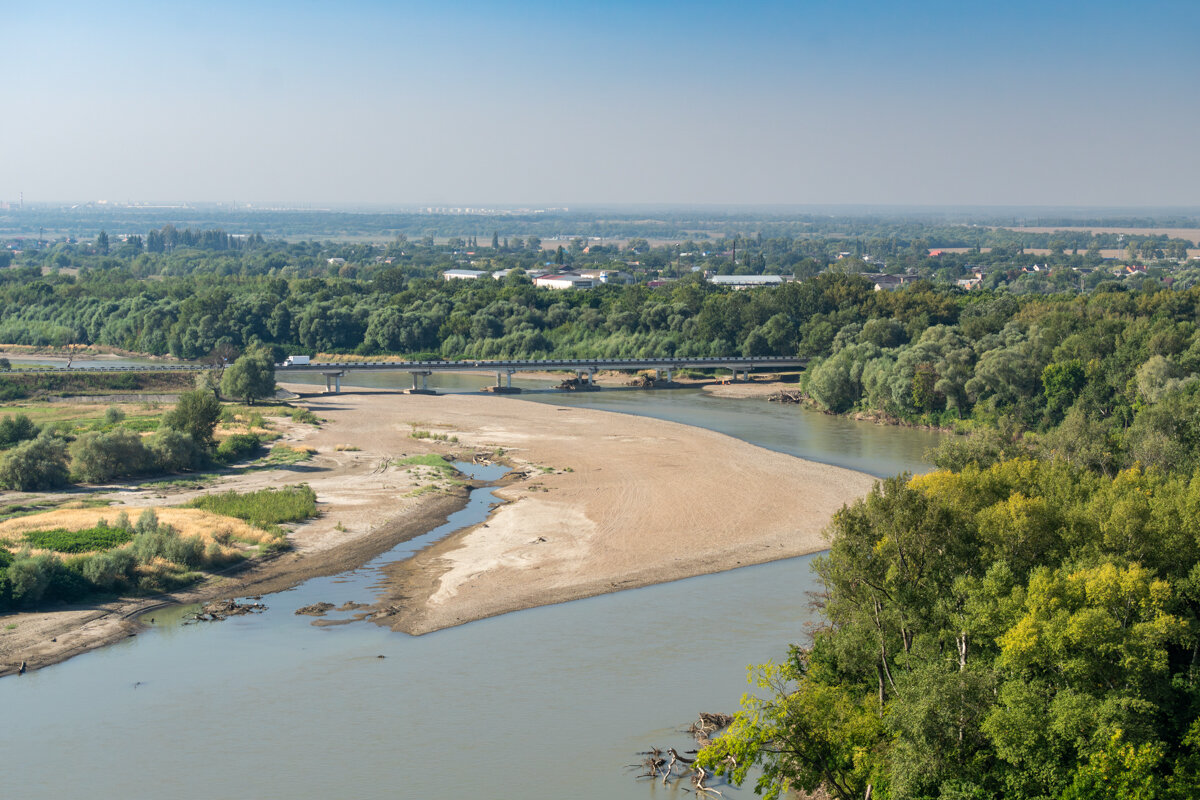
(520, 365)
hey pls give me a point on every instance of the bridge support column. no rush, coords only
(669, 371)
(592, 378)
(508, 379)
(333, 382)
(424, 378)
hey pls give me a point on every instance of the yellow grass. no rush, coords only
(208, 526)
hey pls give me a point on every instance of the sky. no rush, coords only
(906, 102)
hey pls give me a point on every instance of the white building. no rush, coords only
(563, 280)
(462, 274)
(745, 281)
(606, 276)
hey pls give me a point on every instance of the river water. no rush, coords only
(547, 703)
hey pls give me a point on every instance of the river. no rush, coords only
(547, 703)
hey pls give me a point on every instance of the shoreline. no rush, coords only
(707, 501)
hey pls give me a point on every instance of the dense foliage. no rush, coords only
(1028, 630)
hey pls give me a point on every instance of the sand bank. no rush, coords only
(597, 502)
(608, 502)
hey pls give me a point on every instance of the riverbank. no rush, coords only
(597, 502)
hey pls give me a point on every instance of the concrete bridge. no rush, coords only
(584, 368)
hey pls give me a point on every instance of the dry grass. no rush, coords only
(208, 526)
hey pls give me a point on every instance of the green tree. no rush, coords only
(35, 465)
(251, 377)
(196, 414)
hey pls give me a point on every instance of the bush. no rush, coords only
(28, 578)
(108, 570)
(237, 446)
(113, 415)
(166, 542)
(265, 508)
(35, 465)
(174, 451)
(16, 429)
(101, 537)
(98, 457)
(195, 413)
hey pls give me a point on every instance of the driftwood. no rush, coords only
(786, 396)
(675, 766)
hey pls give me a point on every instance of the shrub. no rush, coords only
(16, 429)
(35, 465)
(101, 537)
(237, 446)
(165, 542)
(113, 415)
(97, 457)
(29, 577)
(174, 451)
(265, 508)
(195, 413)
(108, 570)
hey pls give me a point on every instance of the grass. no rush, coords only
(347, 448)
(286, 454)
(85, 540)
(265, 508)
(194, 521)
(192, 482)
(427, 460)
(305, 416)
(437, 437)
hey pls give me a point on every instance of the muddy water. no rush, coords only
(545, 703)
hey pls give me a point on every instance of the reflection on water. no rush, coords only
(546, 703)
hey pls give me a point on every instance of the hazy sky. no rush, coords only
(457, 103)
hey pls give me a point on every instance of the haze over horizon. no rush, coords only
(589, 104)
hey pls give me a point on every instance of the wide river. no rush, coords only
(547, 703)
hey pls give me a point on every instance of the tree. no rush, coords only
(98, 457)
(102, 243)
(35, 465)
(195, 414)
(251, 377)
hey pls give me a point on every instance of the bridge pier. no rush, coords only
(424, 387)
(504, 383)
(333, 381)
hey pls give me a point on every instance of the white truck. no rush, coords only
(296, 361)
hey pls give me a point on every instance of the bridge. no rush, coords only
(584, 368)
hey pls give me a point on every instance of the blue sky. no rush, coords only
(915, 102)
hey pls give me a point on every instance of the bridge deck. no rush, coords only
(520, 365)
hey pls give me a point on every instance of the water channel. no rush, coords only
(547, 703)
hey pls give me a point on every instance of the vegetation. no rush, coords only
(251, 377)
(101, 537)
(1021, 630)
(148, 556)
(195, 414)
(266, 508)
